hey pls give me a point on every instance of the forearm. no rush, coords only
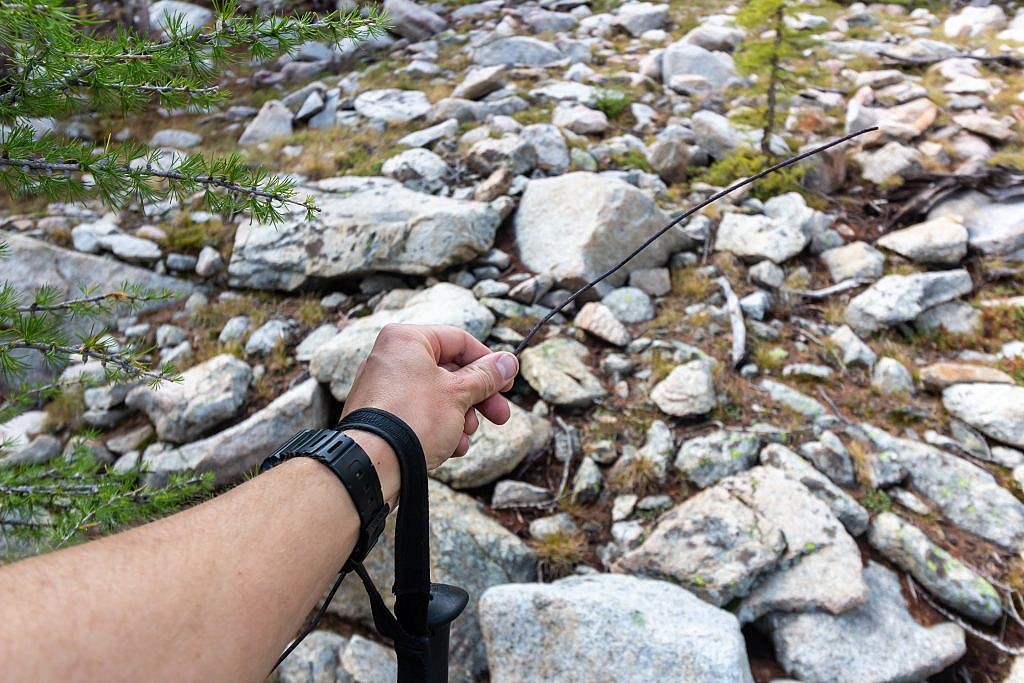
(213, 593)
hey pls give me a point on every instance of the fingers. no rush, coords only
(452, 345)
(472, 422)
(462, 448)
(484, 377)
(495, 409)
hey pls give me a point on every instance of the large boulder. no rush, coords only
(365, 225)
(901, 298)
(997, 410)
(274, 120)
(609, 628)
(993, 227)
(942, 241)
(494, 450)
(336, 361)
(412, 20)
(467, 549)
(518, 51)
(787, 226)
(392, 105)
(233, 452)
(577, 226)
(209, 394)
(685, 59)
(878, 642)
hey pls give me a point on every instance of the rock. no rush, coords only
(598, 320)
(707, 459)
(656, 452)
(481, 81)
(208, 395)
(193, 17)
(906, 122)
(994, 228)
(808, 371)
(854, 350)
(131, 249)
(712, 544)
(714, 37)
(428, 136)
(578, 225)
(336, 361)
(716, 134)
(688, 391)
(173, 137)
(166, 335)
(587, 482)
(853, 516)
(856, 260)
(268, 336)
(889, 376)
(623, 506)
(820, 567)
(392, 105)
(468, 549)
(209, 263)
(580, 119)
(889, 162)
(756, 305)
(555, 369)
(767, 274)
(315, 660)
(759, 237)
(418, 169)
(652, 281)
(42, 448)
(941, 241)
(369, 662)
(130, 441)
(637, 17)
(670, 159)
(831, 458)
(313, 341)
(793, 399)
(971, 22)
(518, 494)
(495, 451)
(561, 631)
(945, 577)
(629, 304)
(234, 329)
(996, 410)
(985, 125)
(364, 226)
(509, 151)
(876, 642)
(560, 524)
(685, 59)
(532, 290)
(20, 430)
(549, 145)
(412, 20)
(518, 51)
(955, 317)
(901, 298)
(273, 121)
(939, 376)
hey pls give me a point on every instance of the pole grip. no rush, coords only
(446, 603)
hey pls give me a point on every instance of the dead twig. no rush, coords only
(826, 292)
(995, 642)
(738, 349)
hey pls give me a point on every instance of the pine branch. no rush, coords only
(65, 306)
(86, 351)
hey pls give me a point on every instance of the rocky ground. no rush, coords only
(842, 505)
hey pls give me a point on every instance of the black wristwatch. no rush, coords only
(352, 466)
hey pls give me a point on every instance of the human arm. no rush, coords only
(217, 591)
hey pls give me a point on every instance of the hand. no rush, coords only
(435, 378)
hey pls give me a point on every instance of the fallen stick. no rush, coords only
(826, 292)
(738, 349)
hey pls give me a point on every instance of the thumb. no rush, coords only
(485, 376)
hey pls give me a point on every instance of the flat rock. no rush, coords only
(712, 544)
(955, 317)
(888, 162)
(688, 391)
(686, 59)
(939, 376)
(365, 225)
(274, 120)
(853, 349)
(796, 401)
(637, 17)
(418, 169)
(598, 320)
(467, 549)
(996, 410)
(941, 241)
(556, 370)
(494, 451)
(877, 642)
(412, 20)
(208, 395)
(846, 509)
(947, 578)
(706, 459)
(481, 81)
(336, 362)
(580, 119)
(629, 304)
(550, 147)
(901, 298)
(577, 226)
(994, 228)
(820, 568)
(830, 457)
(392, 105)
(239, 449)
(518, 51)
(856, 260)
(561, 632)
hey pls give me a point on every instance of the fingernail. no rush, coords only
(507, 365)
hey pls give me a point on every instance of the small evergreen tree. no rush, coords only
(772, 52)
(56, 62)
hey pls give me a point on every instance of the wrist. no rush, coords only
(384, 460)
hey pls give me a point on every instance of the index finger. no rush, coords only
(453, 345)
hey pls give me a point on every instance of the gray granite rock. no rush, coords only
(392, 105)
(942, 241)
(518, 51)
(890, 377)
(901, 298)
(369, 662)
(316, 660)
(853, 349)
(878, 642)
(796, 401)
(418, 169)
(947, 578)
(705, 460)
(562, 631)
(830, 457)
(857, 260)
(273, 121)
(208, 395)
(412, 20)
(556, 370)
(629, 304)
(598, 320)
(688, 391)
(269, 335)
(997, 410)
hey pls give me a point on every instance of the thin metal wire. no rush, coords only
(680, 218)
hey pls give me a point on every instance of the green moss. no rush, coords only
(877, 500)
(747, 162)
(613, 102)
